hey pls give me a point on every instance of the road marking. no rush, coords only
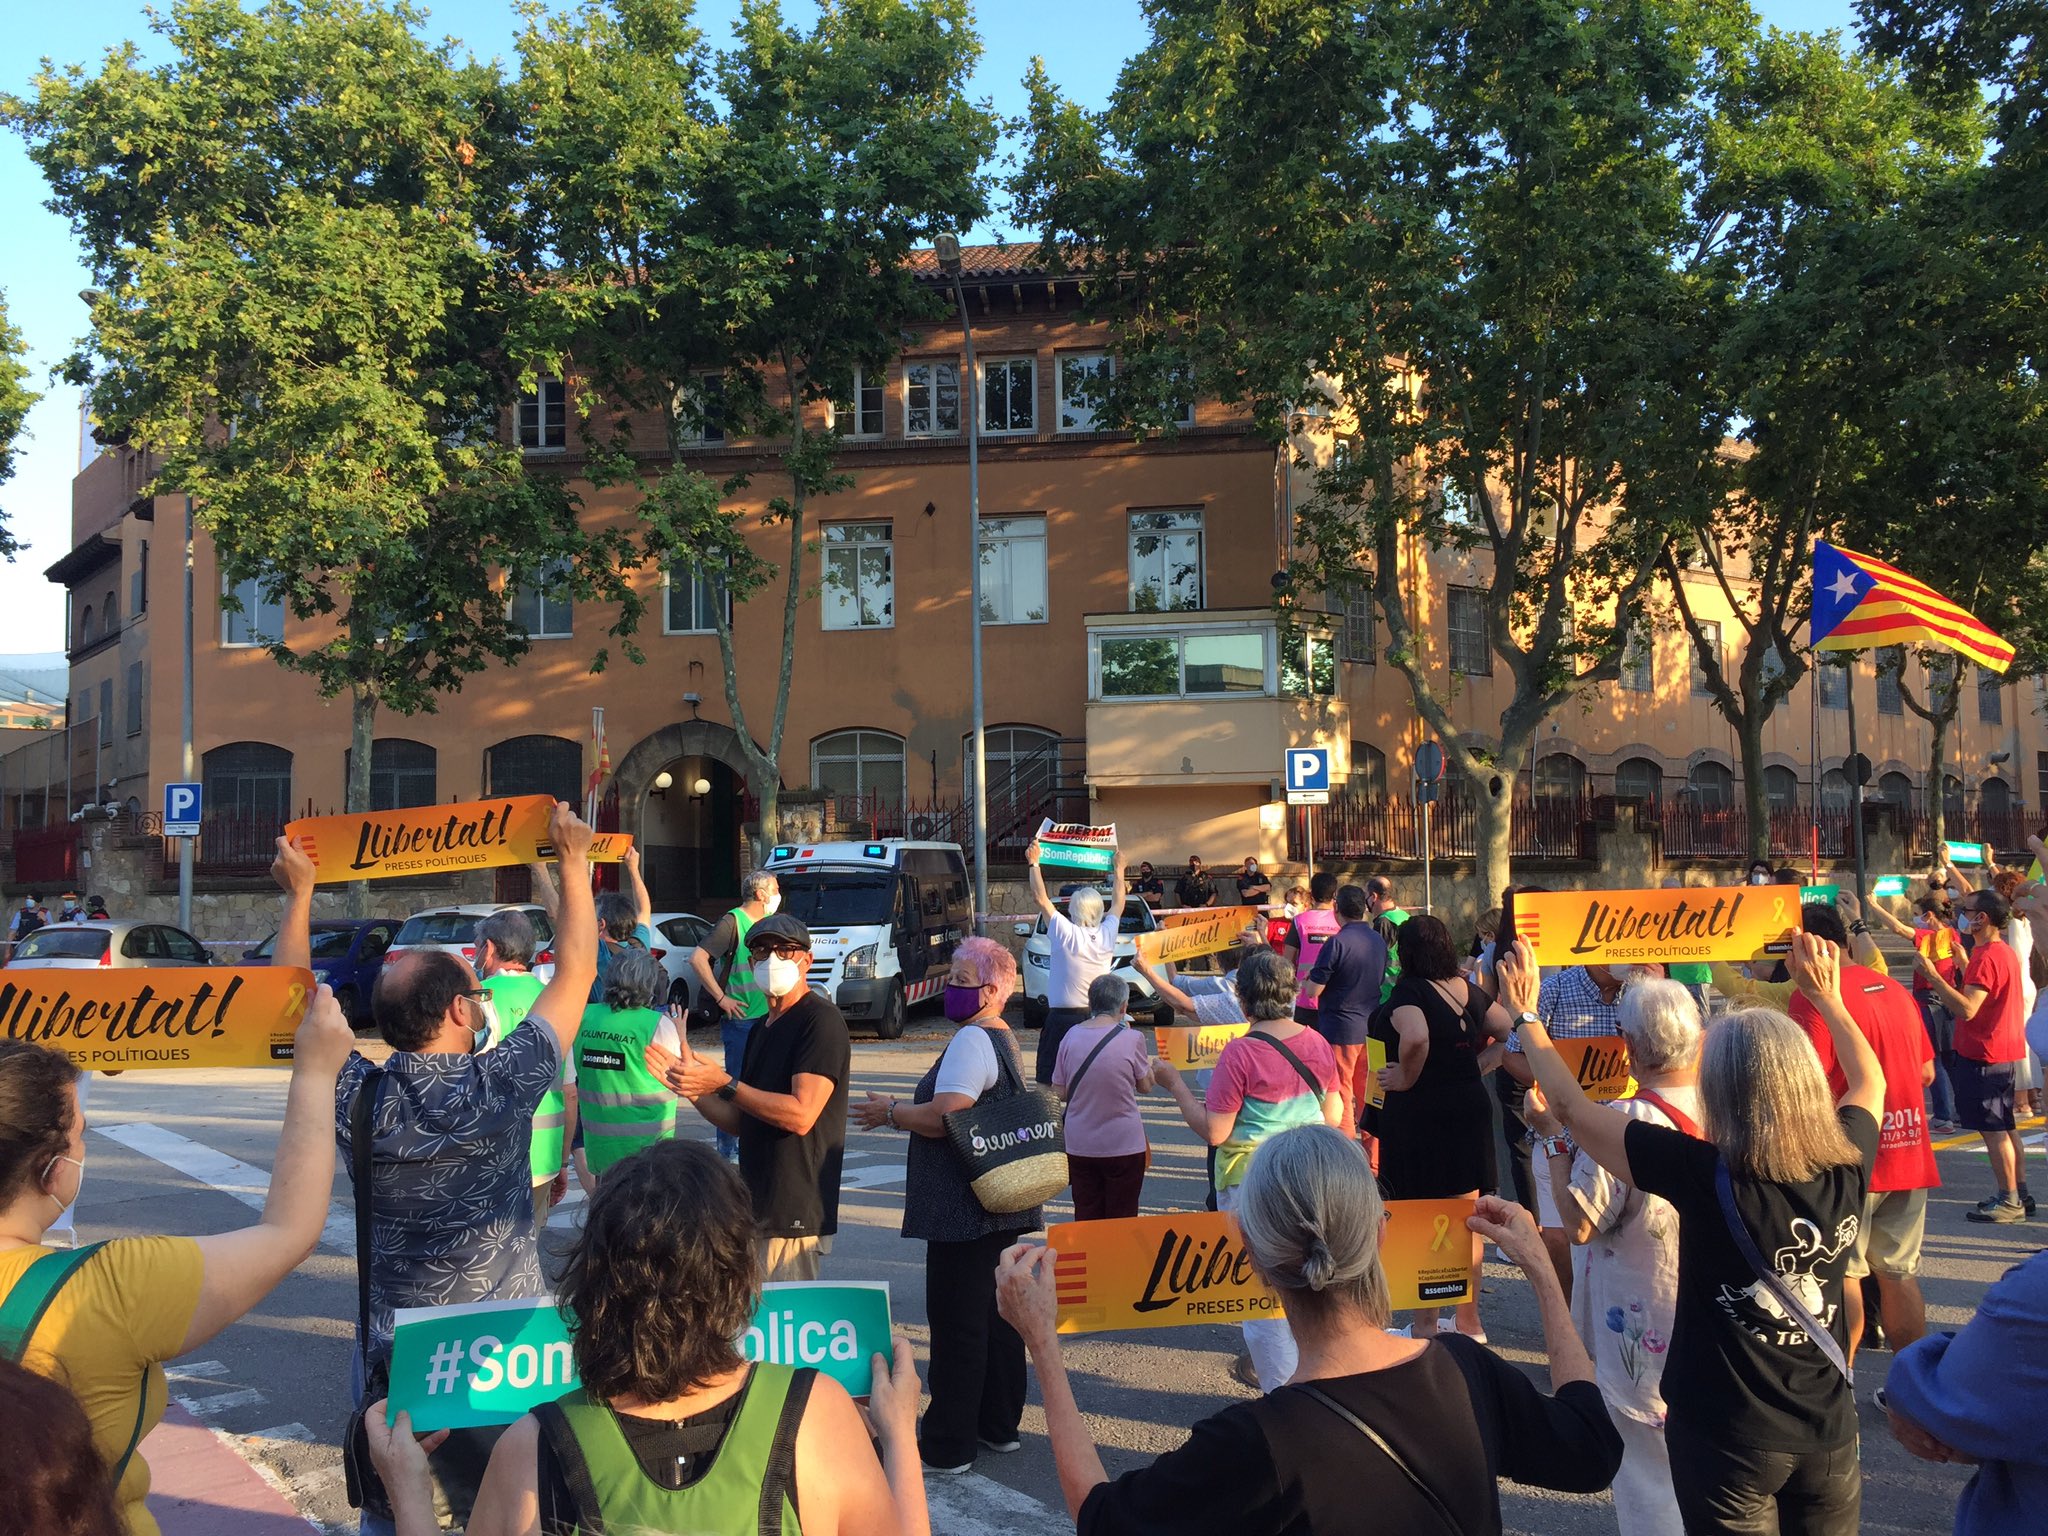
(195, 1370)
(230, 1176)
(872, 1178)
(294, 1432)
(219, 1403)
(973, 1505)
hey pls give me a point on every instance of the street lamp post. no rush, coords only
(947, 249)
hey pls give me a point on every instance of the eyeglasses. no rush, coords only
(778, 951)
(476, 994)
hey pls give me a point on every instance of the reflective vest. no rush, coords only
(624, 1106)
(750, 1487)
(513, 994)
(739, 978)
(1312, 930)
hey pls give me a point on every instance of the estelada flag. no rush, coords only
(1860, 602)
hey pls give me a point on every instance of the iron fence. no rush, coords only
(1356, 826)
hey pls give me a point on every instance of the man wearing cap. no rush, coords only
(787, 1105)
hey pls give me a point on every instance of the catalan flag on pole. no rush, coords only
(1860, 602)
(600, 765)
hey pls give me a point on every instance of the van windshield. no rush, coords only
(826, 899)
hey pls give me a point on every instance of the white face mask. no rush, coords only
(771, 904)
(777, 976)
(64, 1205)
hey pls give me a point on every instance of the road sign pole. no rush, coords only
(1311, 840)
(1856, 796)
(185, 762)
(1428, 856)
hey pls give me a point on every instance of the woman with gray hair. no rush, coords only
(623, 1104)
(1625, 1296)
(1373, 1431)
(1279, 1075)
(1102, 1067)
(1761, 1413)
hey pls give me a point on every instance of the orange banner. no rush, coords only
(1184, 935)
(119, 1020)
(1600, 1062)
(1155, 1272)
(1195, 1048)
(428, 839)
(1426, 1250)
(1617, 927)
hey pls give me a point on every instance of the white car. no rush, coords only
(676, 937)
(1137, 918)
(120, 942)
(453, 929)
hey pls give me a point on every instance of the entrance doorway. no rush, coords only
(690, 833)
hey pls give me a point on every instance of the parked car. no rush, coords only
(1137, 918)
(347, 955)
(454, 929)
(676, 937)
(117, 942)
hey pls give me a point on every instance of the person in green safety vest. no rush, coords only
(624, 1105)
(672, 1427)
(1385, 916)
(505, 947)
(725, 972)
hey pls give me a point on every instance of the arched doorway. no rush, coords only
(690, 831)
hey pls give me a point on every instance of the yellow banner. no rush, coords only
(1376, 1060)
(1600, 1062)
(1155, 1272)
(1426, 1250)
(1184, 935)
(427, 839)
(1617, 927)
(119, 1020)
(1194, 1048)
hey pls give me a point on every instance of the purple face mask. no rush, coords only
(962, 1003)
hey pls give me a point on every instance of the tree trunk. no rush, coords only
(1493, 838)
(1937, 793)
(1756, 803)
(768, 790)
(362, 736)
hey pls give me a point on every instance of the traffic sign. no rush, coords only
(1429, 762)
(1859, 769)
(1308, 797)
(1308, 768)
(181, 810)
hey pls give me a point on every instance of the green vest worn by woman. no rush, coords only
(513, 994)
(750, 1487)
(624, 1106)
(739, 980)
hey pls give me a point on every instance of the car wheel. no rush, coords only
(347, 998)
(1036, 1011)
(679, 993)
(1163, 1017)
(890, 1025)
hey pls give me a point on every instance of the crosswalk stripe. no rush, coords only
(195, 1370)
(219, 1402)
(973, 1505)
(230, 1176)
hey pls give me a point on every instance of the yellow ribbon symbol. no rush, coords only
(1441, 1239)
(1778, 914)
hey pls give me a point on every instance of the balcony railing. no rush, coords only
(1356, 826)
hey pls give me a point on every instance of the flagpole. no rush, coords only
(1813, 758)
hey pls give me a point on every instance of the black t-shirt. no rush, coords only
(795, 1179)
(1739, 1368)
(1286, 1465)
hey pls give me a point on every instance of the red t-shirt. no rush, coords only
(1998, 1032)
(1891, 1022)
(1939, 944)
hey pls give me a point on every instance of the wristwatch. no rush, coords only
(1526, 1017)
(725, 1091)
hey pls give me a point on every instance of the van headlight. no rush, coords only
(860, 963)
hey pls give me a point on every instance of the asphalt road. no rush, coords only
(189, 1153)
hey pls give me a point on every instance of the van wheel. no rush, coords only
(1163, 1017)
(890, 1025)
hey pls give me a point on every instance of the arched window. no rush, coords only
(402, 773)
(1781, 788)
(1368, 769)
(1897, 789)
(1638, 779)
(1834, 792)
(535, 765)
(1994, 798)
(110, 615)
(1713, 785)
(85, 636)
(1952, 798)
(867, 763)
(1023, 760)
(1560, 776)
(248, 780)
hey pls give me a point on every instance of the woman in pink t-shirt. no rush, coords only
(1103, 1065)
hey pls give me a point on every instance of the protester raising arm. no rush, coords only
(1036, 879)
(1118, 887)
(561, 1004)
(643, 904)
(546, 895)
(294, 874)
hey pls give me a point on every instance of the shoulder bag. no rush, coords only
(1772, 1281)
(365, 1488)
(1295, 1061)
(1108, 1039)
(1014, 1146)
(24, 1308)
(1428, 1494)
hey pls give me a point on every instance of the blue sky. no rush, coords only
(1083, 43)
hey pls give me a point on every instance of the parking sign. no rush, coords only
(1308, 775)
(181, 810)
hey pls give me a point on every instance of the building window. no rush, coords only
(931, 399)
(1466, 611)
(1713, 786)
(693, 600)
(138, 581)
(700, 412)
(1170, 666)
(1709, 641)
(248, 780)
(1023, 763)
(1083, 378)
(134, 698)
(1891, 660)
(257, 620)
(864, 763)
(543, 607)
(1560, 776)
(402, 773)
(1639, 663)
(106, 711)
(1833, 671)
(85, 635)
(1368, 769)
(1834, 792)
(1166, 561)
(1009, 395)
(1990, 697)
(1896, 789)
(1639, 781)
(535, 765)
(1180, 399)
(544, 417)
(2041, 778)
(860, 413)
(860, 576)
(1013, 570)
(1994, 798)
(110, 612)
(1772, 667)
(1781, 788)
(1357, 643)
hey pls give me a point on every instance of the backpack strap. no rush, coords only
(1671, 1112)
(1108, 1037)
(362, 1111)
(1306, 1076)
(560, 1454)
(32, 1294)
(779, 1481)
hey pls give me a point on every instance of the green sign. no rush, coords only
(488, 1362)
(1966, 853)
(1090, 856)
(1890, 885)
(1824, 895)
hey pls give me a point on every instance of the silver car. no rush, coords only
(114, 942)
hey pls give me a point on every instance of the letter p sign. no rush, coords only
(181, 810)
(1308, 768)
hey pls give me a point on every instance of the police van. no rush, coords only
(884, 916)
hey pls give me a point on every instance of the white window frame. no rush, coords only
(668, 587)
(841, 538)
(1099, 365)
(1638, 663)
(697, 427)
(1699, 685)
(1361, 620)
(861, 757)
(1179, 636)
(555, 571)
(1475, 630)
(1005, 544)
(1184, 416)
(1200, 532)
(1824, 669)
(850, 417)
(250, 620)
(927, 374)
(1007, 366)
(533, 415)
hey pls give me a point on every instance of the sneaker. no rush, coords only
(1001, 1447)
(1242, 1369)
(960, 1471)
(1991, 1202)
(1448, 1325)
(2027, 1201)
(1879, 1401)
(2003, 1212)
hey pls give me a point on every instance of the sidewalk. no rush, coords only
(201, 1486)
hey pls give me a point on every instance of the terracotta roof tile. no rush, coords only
(1016, 259)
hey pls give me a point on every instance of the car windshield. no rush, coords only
(438, 928)
(826, 899)
(328, 944)
(63, 944)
